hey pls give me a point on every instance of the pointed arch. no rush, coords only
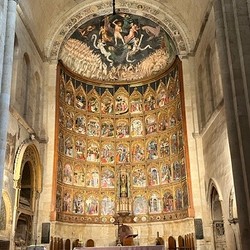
(213, 184)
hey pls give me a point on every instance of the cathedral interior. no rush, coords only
(124, 123)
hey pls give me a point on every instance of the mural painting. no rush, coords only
(121, 47)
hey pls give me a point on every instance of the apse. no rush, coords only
(121, 147)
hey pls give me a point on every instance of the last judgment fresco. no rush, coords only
(121, 150)
(120, 47)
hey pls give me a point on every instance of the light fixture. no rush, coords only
(114, 7)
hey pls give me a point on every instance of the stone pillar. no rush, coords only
(232, 33)
(3, 19)
(6, 84)
(15, 215)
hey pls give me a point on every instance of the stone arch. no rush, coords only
(217, 217)
(67, 24)
(27, 163)
(213, 184)
(27, 151)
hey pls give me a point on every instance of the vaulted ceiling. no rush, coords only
(49, 22)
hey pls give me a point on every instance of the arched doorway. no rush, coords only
(28, 187)
(218, 223)
(23, 231)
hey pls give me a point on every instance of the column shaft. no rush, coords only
(6, 84)
(233, 82)
(3, 20)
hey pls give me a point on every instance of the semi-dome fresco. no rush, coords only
(120, 47)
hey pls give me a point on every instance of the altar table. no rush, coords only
(122, 248)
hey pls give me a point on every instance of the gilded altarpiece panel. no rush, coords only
(121, 142)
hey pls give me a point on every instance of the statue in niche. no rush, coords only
(123, 185)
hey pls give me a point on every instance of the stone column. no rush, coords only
(232, 33)
(3, 19)
(17, 186)
(6, 84)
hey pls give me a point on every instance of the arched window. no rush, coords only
(22, 84)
